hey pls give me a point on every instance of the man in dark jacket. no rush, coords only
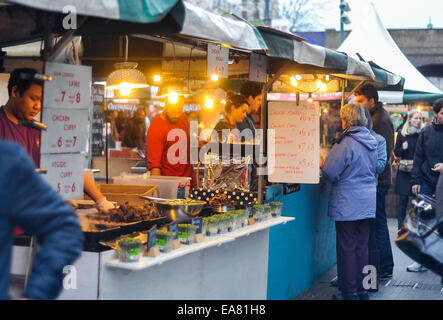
(367, 96)
(135, 131)
(30, 203)
(428, 157)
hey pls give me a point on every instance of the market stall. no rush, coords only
(236, 239)
(234, 254)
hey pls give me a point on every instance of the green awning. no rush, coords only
(24, 20)
(410, 96)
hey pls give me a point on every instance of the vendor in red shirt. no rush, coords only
(168, 142)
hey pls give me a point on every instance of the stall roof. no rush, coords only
(24, 21)
(371, 41)
(205, 25)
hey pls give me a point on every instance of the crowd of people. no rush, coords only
(358, 166)
(360, 183)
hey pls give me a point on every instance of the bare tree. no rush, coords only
(304, 15)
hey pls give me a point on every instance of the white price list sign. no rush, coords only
(258, 64)
(67, 130)
(296, 142)
(64, 173)
(70, 86)
(217, 61)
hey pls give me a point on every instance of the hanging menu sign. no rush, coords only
(98, 100)
(64, 173)
(66, 103)
(257, 67)
(217, 61)
(296, 150)
(67, 131)
(70, 86)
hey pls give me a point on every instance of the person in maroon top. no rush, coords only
(168, 143)
(24, 103)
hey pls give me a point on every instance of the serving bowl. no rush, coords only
(179, 210)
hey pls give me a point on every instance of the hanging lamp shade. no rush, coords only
(126, 77)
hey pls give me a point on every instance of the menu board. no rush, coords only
(257, 67)
(295, 147)
(98, 100)
(66, 103)
(64, 173)
(67, 131)
(217, 60)
(70, 86)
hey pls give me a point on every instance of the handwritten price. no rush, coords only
(60, 141)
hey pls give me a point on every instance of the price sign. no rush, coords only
(198, 222)
(173, 227)
(296, 151)
(70, 86)
(152, 237)
(217, 61)
(257, 67)
(67, 131)
(64, 173)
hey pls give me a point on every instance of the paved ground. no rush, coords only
(403, 286)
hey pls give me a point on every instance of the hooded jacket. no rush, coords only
(350, 167)
(428, 152)
(384, 127)
(28, 201)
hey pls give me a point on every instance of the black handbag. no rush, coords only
(421, 237)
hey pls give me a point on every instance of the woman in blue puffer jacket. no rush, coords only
(351, 168)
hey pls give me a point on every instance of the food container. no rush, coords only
(223, 223)
(164, 240)
(186, 233)
(179, 210)
(244, 216)
(122, 193)
(230, 221)
(276, 208)
(105, 233)
(212, 228)
(261, 212)
(130, 250)
(205, 225)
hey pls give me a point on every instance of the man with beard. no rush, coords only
(168, 142)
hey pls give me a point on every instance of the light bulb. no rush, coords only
(310, 98)
(214, 77)
(294, 82)
(327, 78)
(157, 78)
(125, 89)
(209, 103)
(298, 77)
(172, 97)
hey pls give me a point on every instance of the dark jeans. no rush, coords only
(352, 254)
(382, 232)
(427, 190)
(401, 210)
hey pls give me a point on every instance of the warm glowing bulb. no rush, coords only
(319, 83)
(325, 110)
(418, 108)
(157, 78)
(310, 98)
(173, 97)
(125, 89)
(214, 77)
(162, 104)
(298, 77)
(294, 82)
(209, 103)
(327, 78)
(223, 101)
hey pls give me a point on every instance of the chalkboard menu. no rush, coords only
(98, 98)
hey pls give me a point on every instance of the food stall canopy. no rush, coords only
(25, 20)
(291, 47)
(371, 41)
(205, 25)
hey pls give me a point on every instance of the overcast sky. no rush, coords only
(395, 14)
